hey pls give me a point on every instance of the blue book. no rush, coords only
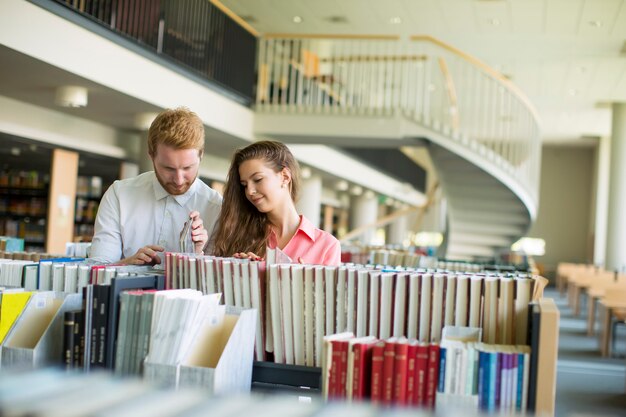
(442, 370)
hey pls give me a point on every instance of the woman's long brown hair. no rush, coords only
(241, 227)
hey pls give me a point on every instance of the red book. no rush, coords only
(411, 382)
(362, 369)
(421, 365)
(432, 375)
(400, 372)
(377, 372)
(335, 369)
(343, 346)
(388, 370)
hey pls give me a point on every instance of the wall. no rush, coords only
(564, 215)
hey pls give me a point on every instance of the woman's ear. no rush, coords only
(286, 176)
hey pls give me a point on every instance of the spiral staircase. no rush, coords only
(481, 132)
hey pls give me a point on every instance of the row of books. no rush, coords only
(299, 304)
(308, 302)
(395, 371)
(486, 376)
(27, 256)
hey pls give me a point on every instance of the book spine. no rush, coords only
(388, 372)
(377, 372)
(69, 318)
(421, 374)
(79, 339)
(400, 374)
(411, 374)
(433, 373)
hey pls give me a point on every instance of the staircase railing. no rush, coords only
(423, 78)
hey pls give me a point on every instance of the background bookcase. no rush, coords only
(50, 196)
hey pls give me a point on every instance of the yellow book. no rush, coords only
(13, 303)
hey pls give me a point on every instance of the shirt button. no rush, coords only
(167, 214)
(162, 242)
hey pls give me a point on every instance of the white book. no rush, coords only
(245, 284)
(362, 301)
(173, 270)
(193, 273)
(209, 271)
(425, 296)
(386, 305)
(462, 297)
(30, 277)
(236, 267)
(58, 276)
(490, 316)
(275, 307)
(84, 271)
(475, 309)
(329, 280)
(525, 350)
(186, 274)
(229, 296)
(522, 298)
(219, 281)
(506, 311)
(437, 308)
(256, 302)
(414, 302)
(450, 285)
(320, 312)
(71, 278)
(399, 306)
(342, 277)
(45, 276)
(374, 303)
(287, 314)
(351, 300)
(309, 317)
(297, 292)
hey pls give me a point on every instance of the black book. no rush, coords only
(69, 320)
(534, 320)
(79, 339)
(118, 285)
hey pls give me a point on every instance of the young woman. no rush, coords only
(259, 210)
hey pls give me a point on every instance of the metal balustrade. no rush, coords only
(423, 79)
(195, 34)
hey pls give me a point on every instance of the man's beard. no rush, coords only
(171, 188)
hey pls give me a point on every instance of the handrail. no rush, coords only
(486, 68)
(425, 80)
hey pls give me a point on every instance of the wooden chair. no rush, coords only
(613, 301)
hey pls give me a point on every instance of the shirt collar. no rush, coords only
(160, 192)
(307, 227)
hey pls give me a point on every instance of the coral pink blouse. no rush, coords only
(310, 245)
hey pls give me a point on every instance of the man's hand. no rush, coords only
(145, 256)
(199, 235)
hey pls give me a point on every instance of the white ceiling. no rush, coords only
(564, 54)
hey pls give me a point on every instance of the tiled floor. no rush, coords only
(587, 385)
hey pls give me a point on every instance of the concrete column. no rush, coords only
(398, 231)
(603, 158)
(145, 162)
(364, 210)
(310, 199)
(616, 219)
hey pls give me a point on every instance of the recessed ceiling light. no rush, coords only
(71, 96)
(395, 20)
(596, 23)
(297, 19)
(494, 22)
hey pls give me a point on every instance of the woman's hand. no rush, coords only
(247, 255)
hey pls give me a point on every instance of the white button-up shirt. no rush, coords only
(138, 211)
